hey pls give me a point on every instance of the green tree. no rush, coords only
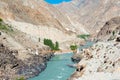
(57, 46)
(113, 33)
(49, 43)
(73, 47)
(83, 36)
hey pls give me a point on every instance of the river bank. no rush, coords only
(102, 60)
(12, 68)
(61, 65)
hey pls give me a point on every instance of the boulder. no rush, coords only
(76, 57)
(118, 39)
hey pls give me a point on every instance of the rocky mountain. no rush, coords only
(92, 14)
(27, 22)
(110, 30)
(66, 19)
(102, 60)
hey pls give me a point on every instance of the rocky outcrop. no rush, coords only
(110, 30)
(104, 62)
(82, 52)
(76, 57)
(34, 65)
(118, 39)
(10, 65)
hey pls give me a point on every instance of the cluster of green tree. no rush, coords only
(73, 47)
(83, 36)
(53, 46)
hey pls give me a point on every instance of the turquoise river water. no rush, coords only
(57, 68)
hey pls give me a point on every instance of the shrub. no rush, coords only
(113, 33)
(83, 36)
(1, 20)
(22, 78)
(49, 43)
(73, 47)
(5, 27)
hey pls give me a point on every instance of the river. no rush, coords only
(57, 68)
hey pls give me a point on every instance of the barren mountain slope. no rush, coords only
(30, 21)
(65, 20)
(90, 13)
(33, 18)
